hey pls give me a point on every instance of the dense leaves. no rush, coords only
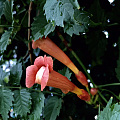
(87, 31)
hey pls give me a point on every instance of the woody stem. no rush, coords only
(30, 43)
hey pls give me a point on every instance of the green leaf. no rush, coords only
(8, 10)
(2, 75)
(37, 105)
(44, 27)
(75, 4)
(1, 7)
(22, 102)
(110, 112)
(77, 25)
(4, 41)
(58, 11)
(66, 72)
(16, 74)
(6, 98)
(52, 108)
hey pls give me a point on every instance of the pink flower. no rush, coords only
(42, 73)
(39, 72)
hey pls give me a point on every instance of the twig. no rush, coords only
(30, 43)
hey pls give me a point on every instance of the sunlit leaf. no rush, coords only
(79, 24)
(110, 112)
(58, 11)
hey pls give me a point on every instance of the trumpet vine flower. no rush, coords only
(42, 73)
(52, 49)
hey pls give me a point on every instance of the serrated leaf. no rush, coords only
(1, 7)
(8, 7)
(110, 112)
(77, 25)
(2, 75)
(40, 27)
(75, 4)
(37, 105)
(66, 72)
(58, 11)
(4, 41)
(52, 108)
(22, 102)
(6, 98)
(16, 74)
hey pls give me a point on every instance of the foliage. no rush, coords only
(110, 112)
(87, 31)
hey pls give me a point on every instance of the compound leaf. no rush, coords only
(37, 105)
(110, 112)
(79, 24)
(58, 11)
(52, 108)
(22, 101)
(6, 98)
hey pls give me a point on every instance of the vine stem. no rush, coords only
(45, 92)
(112, 84)
(30, 43)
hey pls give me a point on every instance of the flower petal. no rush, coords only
(45, 78)
(30, 75)
(49, 61)
(39, 62)
(39, 75)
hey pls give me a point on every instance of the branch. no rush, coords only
(30, 43)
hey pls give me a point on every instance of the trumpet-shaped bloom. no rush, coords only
(42, 73)
(52, 49)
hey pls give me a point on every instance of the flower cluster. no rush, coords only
(42, 71)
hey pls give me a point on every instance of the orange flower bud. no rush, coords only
(93, 91)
